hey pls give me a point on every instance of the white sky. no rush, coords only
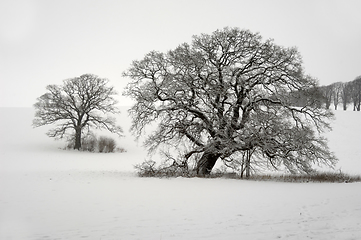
(44, 42)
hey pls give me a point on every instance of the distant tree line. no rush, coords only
(344, 93)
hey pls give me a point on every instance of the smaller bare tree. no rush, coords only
(79, 104)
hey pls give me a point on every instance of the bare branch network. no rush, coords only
(229, 93)
(79, 104)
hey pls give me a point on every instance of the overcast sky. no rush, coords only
(44, 42)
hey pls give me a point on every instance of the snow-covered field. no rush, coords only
(48, 193)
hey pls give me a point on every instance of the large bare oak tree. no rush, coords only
(226, 94)
(79, 104)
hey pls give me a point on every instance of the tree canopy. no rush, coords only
(225, 94)
(79, 104)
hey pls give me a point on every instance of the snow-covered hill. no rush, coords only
(345, 141)
(49, 193)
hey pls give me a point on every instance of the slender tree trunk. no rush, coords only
(77, 144)
(248, 163)
(206, 163)
(328, 103)
(243, 168)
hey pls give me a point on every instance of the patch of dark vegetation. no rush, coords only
(106, 144)
(92, 143)
(314, 177)
(149, 169)
(332, 177)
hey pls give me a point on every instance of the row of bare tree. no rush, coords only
(344, 93)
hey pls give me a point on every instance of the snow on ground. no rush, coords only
(345, 141)
(49, 193)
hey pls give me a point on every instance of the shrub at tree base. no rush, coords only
(91, 143)
(149, 169)
(106, 144)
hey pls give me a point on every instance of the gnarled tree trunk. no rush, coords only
(206, 163)
(77, 144)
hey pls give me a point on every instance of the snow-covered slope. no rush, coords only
(49, 193)
(345, 141)
(26, 148)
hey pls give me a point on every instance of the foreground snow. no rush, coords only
(49, 193)
(112, 205)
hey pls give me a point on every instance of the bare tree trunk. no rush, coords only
(242, 164)
(206, 163)
(77, 144)
(328, 103)
(345, 106)
(248, 163)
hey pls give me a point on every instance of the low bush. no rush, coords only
(106, 144)
(91, 143)
(120, 149)
(149, 169)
